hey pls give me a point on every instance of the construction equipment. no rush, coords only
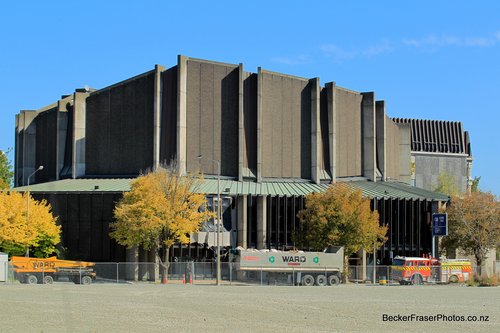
(302, 268)
(419, 270)
(46, 271)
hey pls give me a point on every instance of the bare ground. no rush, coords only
(65, 307)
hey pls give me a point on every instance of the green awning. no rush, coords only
(379, 190)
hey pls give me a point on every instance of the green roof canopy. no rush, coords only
(379, 190)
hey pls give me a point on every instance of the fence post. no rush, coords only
(261, 276)
(117, 281)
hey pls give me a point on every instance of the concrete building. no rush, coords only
(439, 147)
(277, 138)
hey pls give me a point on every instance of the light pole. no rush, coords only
(28, 204)
(218, 217)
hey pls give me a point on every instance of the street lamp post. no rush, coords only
(218, 278)
(28, 204)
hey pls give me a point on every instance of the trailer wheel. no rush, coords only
(86, 280)
(453, 279)
(321, 280)
(308, 280)
(48, 279)
(333, 280)
(31, 279)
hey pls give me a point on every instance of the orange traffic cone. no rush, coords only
(183, 278)
(190, 279)
(165, 279)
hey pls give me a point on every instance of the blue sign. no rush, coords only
(440, 224)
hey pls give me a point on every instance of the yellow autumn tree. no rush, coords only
(473, 225)
(340, 216)
(39, 232)
(161, 209)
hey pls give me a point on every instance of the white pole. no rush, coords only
(218, 222)
(28, 205)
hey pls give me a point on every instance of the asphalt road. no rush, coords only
(65, 307)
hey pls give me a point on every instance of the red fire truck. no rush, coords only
(417, 270)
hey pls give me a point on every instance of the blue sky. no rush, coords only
(426, 59)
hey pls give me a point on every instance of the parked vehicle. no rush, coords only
(417, 270)
(303, 268)
(36, 270)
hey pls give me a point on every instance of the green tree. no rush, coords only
(6, 173)
(341, 216)
(160, 210)
(475, 184)
(40, 233)
(446, 185)
(473, 225)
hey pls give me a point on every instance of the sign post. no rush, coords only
(439, 228)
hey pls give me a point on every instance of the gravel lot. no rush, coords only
(64, 307)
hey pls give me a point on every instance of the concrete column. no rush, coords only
(405, 173)
(261, 222)
(315, 131)
(181, 113)
(369, 135)
(154, 268)
(242, 221)
(132, 270)
(157, 116)
(381, 131)
(79, 110)
(241, 122)
(332, 131)
(259, 124)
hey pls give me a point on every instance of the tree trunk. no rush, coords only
(479, 263)
(345, 273)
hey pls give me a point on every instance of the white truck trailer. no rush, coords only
(303, 268)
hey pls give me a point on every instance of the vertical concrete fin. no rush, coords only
(381, 132)
(332, 132)
(405, 162)
(157, 116)
(259, 124)
(78, 167)
(241, 121)
(369, 135)
(315, 131)
(181, 113)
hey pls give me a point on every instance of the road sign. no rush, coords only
(440, 224)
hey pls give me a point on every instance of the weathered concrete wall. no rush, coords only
(348, 132)
(168, 134)
(249, 137)
(25, 146)
(393, 150)
(429, 166)
(119, 127)
(212, 117)
(46, 145)
(286, 126)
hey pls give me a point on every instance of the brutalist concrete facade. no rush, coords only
(261, 126)
(439, 147)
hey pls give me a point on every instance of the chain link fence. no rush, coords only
(206, 273)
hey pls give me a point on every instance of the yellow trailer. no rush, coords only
(47, 270)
